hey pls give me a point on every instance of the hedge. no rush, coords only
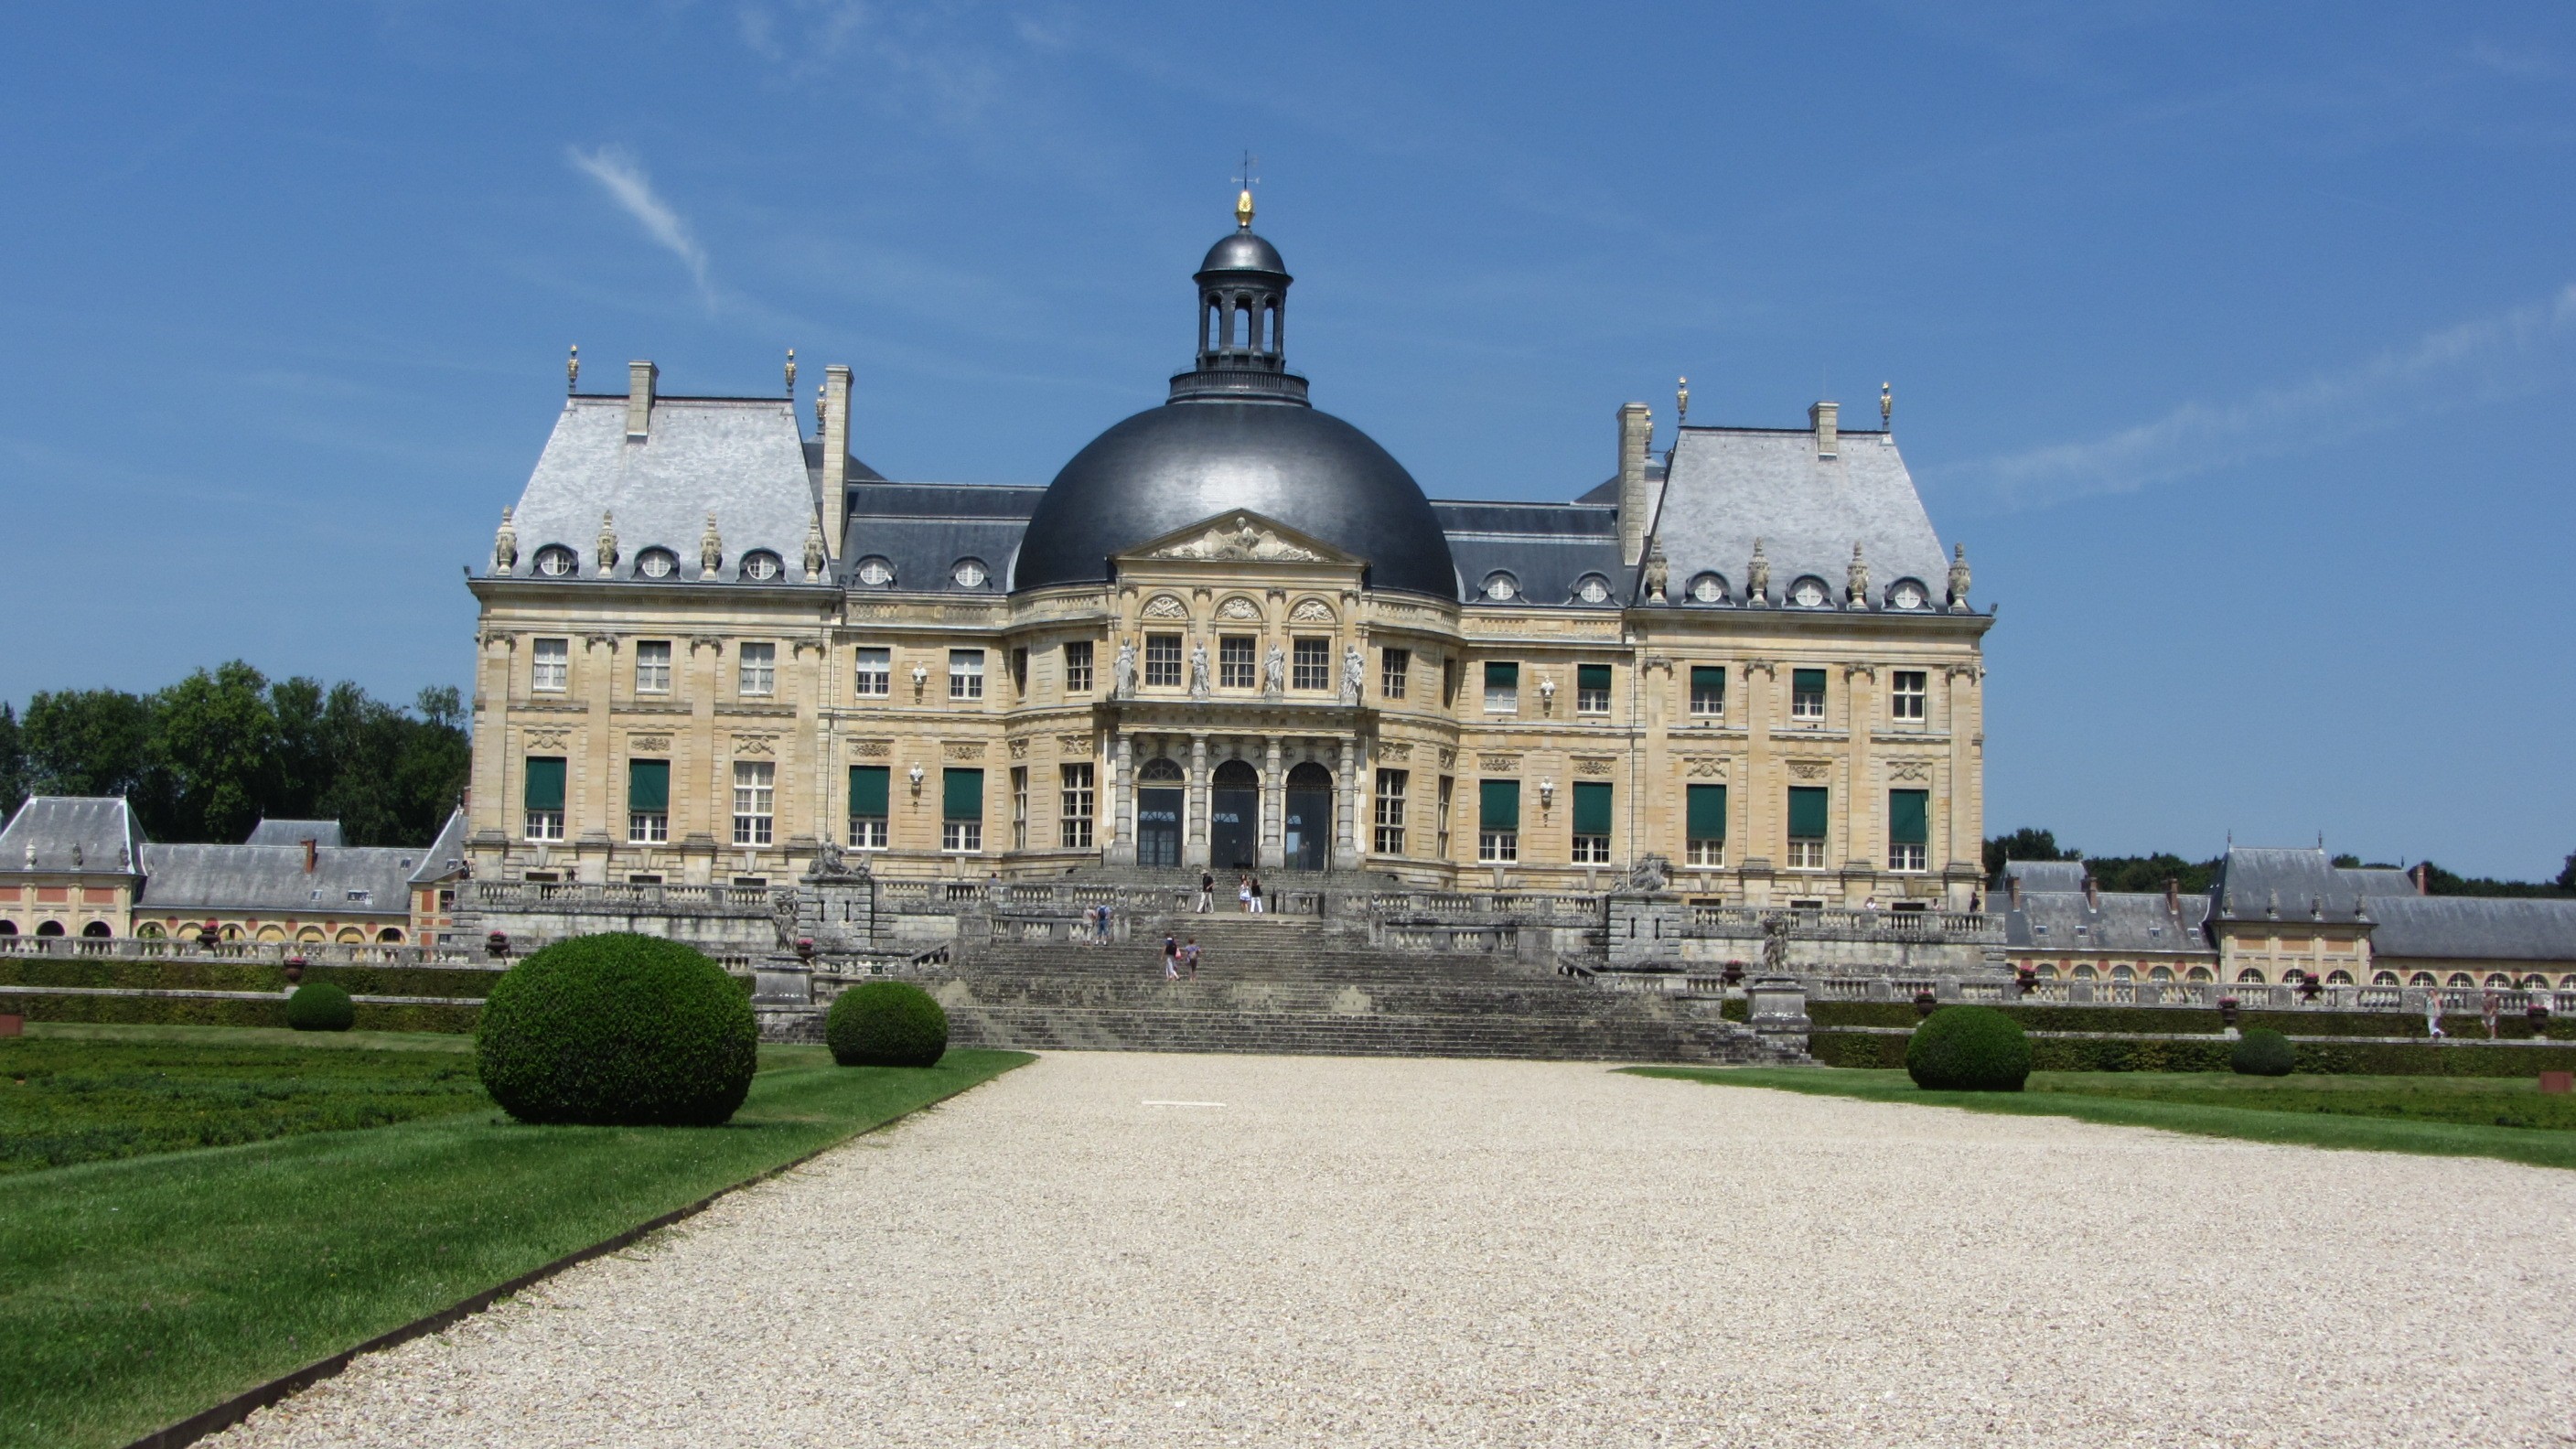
(1968, 1049)
(2199, 1020)
(221, 975)
(618, 1029)
(2456, 1059)
(225, 1011)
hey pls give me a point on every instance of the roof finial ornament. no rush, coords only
(1757, 579)
(814, 559)
(1856, 581)
(818, 407)
(1243, 199)
(1887, 405)
(791, 374)
(1959, 579)
(710, 549)
(505, 544)
(1681, 403)
(607, 543)
(1658, 571)
(572, 370)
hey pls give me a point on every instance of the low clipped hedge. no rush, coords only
(620, 1030)
(221, 1011)
(320, 1006)
(886, 1024)
(2200, 1020)
(201, 974)
(2263, 1052)
(1968, 1049)
(2377, 1059)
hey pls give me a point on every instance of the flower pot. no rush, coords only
(1925, 1003)
(2228, 1006)
(294, 969)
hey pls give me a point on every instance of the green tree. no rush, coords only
(89, 742)
(13, 763)
(218, 737)
(2024, 844)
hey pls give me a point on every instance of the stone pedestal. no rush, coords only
(782, 981)
(1778, 1008)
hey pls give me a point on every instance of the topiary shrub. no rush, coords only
(886, 1024)
(1968, 1049)
(618, 1029)
(320, 1006)
(2263, 1052)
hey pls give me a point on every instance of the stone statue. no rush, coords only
(1657, 572)
(1354, 674)
(505, 546)
(1856, 581)
(607, 543)
(1775, 944)
(1274, 673)
(1757, 578)
(710, 549)
(1959, 580)
(1126, 680)
(814, 557)
(1648, 874)
(1198, 670)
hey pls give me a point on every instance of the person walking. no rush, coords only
(1243, 893)
(1207, 892)
(1171, 959)
(2433, 1012)
(1190, 958)
(1257, 908)
(2490, 1008)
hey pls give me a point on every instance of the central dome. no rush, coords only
(1236, 434)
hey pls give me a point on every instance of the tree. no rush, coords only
(218, 736)
(2567, 877)
(13, 763)
(89, 742)
(2024, 844)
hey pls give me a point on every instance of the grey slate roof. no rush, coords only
(2257, 882)
(2043, 875)
(925, 529)
(325, 833)
(2474, 928)
(1727, 487)
(1547, 548)
(272, 878)
(445, 856)
(72, 833)
(2128, 921)
(743, 459)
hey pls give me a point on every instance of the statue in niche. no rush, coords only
(1959, 580)
(1354, 674)
(1126, 668)
(710, 549)
(1198, 670)
(1856, 581)
(505, 545)
(1274, 673)
(1757, 578)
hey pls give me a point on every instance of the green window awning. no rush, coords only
(1807, 681)
(1807, 812)
(1499, 802)
(1707, 812)
(1502, 676)
(545, 782)
(1594, 677)
(961, 794)
(1591, 807)
(648, 786)
(867, 792)
(1708, 679)
(1909, 817)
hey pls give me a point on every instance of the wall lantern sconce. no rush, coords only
(914, 774)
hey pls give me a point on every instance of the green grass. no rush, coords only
(2438, 1116)
(136, 1291)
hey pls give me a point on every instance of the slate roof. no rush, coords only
(925, 529)
(743, 459)
(2043, 875)
(2474, 928)
(324, 833)
(1547, 548)
(2256, 883)
(272, 878)
(1726, 487)
(65, 833)
(445, 856)
(2125, 921)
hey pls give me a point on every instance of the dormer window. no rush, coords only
(1708, 589)
(555, 561)
(1502, 588)
(761, 565)
(656, 563)
(875, 572)
(1593, 590)
(969, 573)
(1907, 594)
(1808, 593)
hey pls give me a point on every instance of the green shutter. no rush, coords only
(1807, 681)
(1500, 801)
(1502, 676)
(1707, 812)
(1708, 679)
(1806, 812)
(545, 782)
(1591, 805)
(867, 792)
(1909, 817)
(648, 786)
(1593, 677)
(961, 794)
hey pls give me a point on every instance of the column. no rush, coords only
(1122, 802)
(1346, 852)
(1194, 848)
(1274, 807)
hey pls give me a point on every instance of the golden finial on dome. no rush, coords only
(1243, 199)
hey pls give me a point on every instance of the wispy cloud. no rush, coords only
(622, 177)
(2486, 360)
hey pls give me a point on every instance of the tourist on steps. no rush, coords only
(1171, 959)
(1190, 957)
(1207, 892)
(1256, 895)
(1243, 893)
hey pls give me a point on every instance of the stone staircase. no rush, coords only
(1297, 986)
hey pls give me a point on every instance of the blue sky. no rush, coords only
(2237, 343)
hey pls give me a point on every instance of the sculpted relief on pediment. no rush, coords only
(1239, 540)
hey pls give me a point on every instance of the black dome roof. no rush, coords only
(1174, 465)
(1243, 252)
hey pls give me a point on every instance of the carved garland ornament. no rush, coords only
(1811, 769)
(1238, 607)
(1311, 611)
(1592, 766)
(1707, 769)
(1242, 541)
(1498, 762)
(1395, 750)
(755, 744)
(546, 739)
(1164, 606)
(648, 743)
(1073, 744)
(963, 749)
(1909, 769)
(871, 749)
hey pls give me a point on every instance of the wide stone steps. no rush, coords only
(1303, 1034)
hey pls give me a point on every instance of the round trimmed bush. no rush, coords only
(886, 1024)
(618, 1030)
(1968, 1049)
(320, 1006)
(2263, 1052)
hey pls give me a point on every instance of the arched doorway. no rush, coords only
(1159, 802)
(1306, 826)
(49, 928)
(96, 931)
(1234, 817)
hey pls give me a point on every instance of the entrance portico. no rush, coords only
(1216, 786)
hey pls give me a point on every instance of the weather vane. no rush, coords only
(1247, 180)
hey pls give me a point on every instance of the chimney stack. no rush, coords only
(2173, 896)
(836, 456)
(2423, 877)
(2012, 888)
(312, 854)
(1825, 416)
(2092, 892)
(1636, 431)
(639, 398)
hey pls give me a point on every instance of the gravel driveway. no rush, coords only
(1354, 1251)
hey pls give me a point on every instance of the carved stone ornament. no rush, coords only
(1019, 749)
(1395, 750)
(1354, 675)
(607, 543)
(1244, 540)
(648, 744)
(1650, 874)
(871, 749)
(1311, 611)
(1125, 675)
(1770, 668)
(1199, 670)
(963, 749)
(1757, 578)
(1909, 769)
(814, 559)
(1238, 607)
(601, 641)
(1498, 762)
(1592, 766)
(1856, 581)
(1811, 769)
(1448, 757)
(755, 744)
(710, 549)
(1657, 572)
(503, 637)
(1704, 768)
(1959, 579)
(1274, 672)
(551, 738)
(505, 545)
(1073, 744)
(1164, 606)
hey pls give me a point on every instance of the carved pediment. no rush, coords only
(1242, 536)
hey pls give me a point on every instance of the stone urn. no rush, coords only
(2228, 1006)
(2311, 986)
(805, 948)
(294, 970)
(2025, 978)
(1732, 975)
(1925, 1002)
(2538, 1011)
(498, 944)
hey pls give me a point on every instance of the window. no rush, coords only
(1593, 590)
(1704, 825)
(1077, 667)
(656, 563)
(1807, 816)
(555, 561)
(648, 801)
(1592, 689)
(965, 674)
(543, 802)
(1448, 684)
(1909, 828)
(1502, 688)
(1393, 665)
(1502, 588)
(1162, 660)
(969, 573)
(1234, 662)
(758, 672)
(754, 801)
(1020, 673)
(551, 669)
(1807, 695)
(875, 572)
(1906, 700)
(653, 667)
(1389, 813)
(1019, 807)
(1073, 810)
(1708, 589)
(874, 676)
(1592, 822)
(761, 566)
(1498, 820)
(1708, 690)
(1310, 664)
(1448, 797)
(961, 810)
(868, 807)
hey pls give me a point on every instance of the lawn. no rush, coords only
(138, 1290)
(2441, 1116)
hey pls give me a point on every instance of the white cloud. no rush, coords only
(618, 173)
(2485, 360)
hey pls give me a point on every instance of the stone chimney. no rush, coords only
(2173, 896)
(1824, 416)
(1636, 430)
(312, 854)
(2012, 889)
(2092, 892)
(639, 398)
(2422, 875)
(836, 455)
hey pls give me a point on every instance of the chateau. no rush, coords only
(1232, 634)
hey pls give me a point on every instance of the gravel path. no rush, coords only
(1448, 1252)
